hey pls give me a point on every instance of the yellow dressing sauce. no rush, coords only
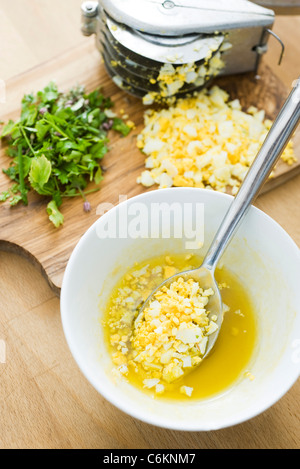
(231, 355)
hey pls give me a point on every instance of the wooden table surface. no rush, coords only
(45, 402)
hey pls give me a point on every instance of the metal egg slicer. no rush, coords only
(159, 50)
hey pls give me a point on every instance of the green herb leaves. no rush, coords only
(39, 175)
(57, 145)
(54, 214)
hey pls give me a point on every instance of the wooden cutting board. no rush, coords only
(27, 230)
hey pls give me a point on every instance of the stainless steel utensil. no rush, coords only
(195, 39)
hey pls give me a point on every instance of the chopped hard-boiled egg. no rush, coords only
(172, 78)
(204, 141)
(177, 318)
(171, 337)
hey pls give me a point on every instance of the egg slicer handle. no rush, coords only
(273, 146)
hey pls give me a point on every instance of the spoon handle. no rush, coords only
(274, 144)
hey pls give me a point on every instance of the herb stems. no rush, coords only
(21, 176)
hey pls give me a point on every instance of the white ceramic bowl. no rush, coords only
(261, 254)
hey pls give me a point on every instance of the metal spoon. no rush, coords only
(274, 144)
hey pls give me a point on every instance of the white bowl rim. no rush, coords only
(146, 417)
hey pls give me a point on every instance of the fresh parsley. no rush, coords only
(57, 145)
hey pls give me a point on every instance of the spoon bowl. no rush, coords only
(205, 278)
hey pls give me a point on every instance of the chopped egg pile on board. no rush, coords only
(203, 141)
(170, 338)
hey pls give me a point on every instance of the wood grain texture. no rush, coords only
(50, 248)
(45, 402)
